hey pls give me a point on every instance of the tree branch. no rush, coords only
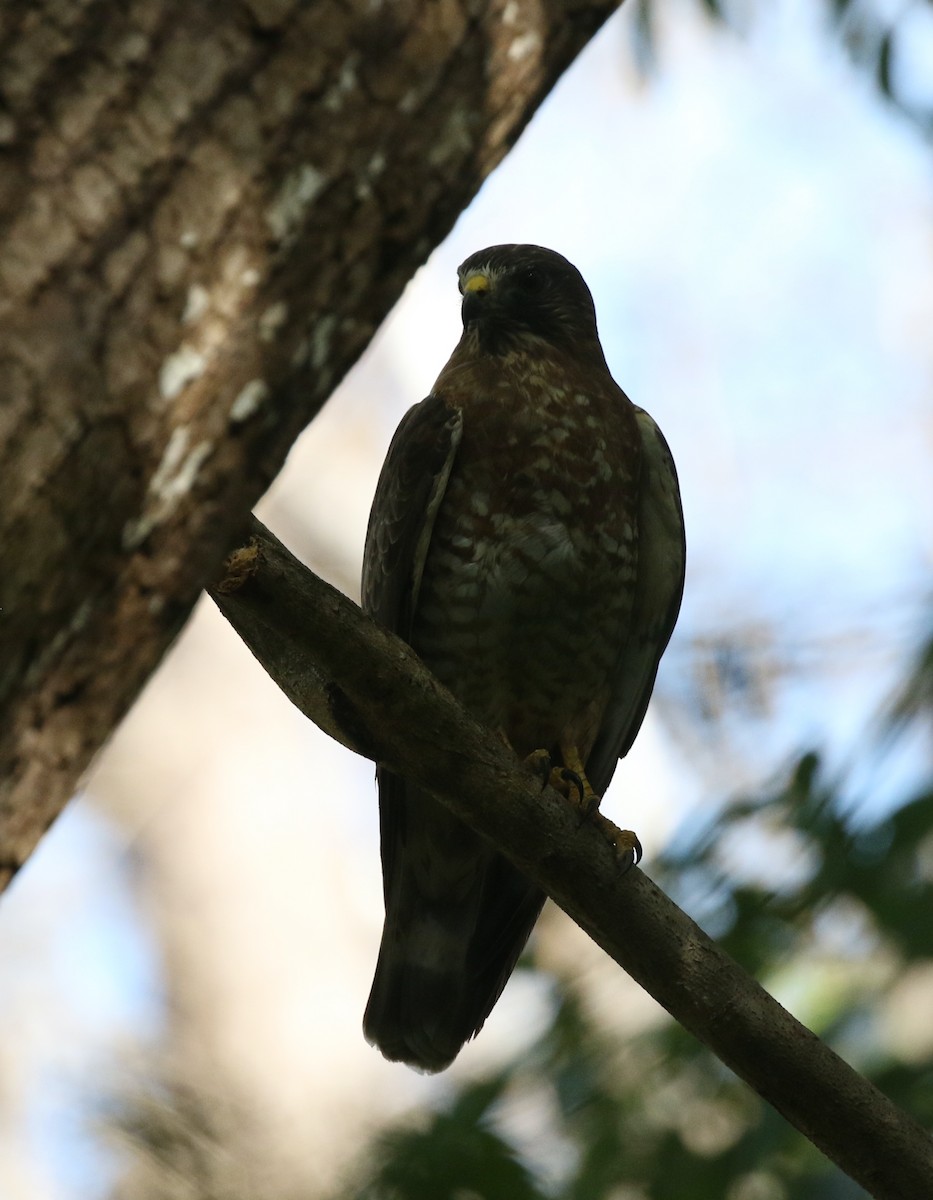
(366, 688)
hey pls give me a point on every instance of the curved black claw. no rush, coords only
(573, 780)
(624, 842)
(628, 850)
(587, 802)
(573, 787)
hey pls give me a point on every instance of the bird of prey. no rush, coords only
(526, 539)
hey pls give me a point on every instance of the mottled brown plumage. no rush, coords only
(526, 538)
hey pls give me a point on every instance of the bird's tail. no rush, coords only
(417, 1011)
(441, 968)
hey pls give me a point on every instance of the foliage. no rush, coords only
(455, 1154)
(873, 33)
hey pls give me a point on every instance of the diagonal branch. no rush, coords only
(366, 688)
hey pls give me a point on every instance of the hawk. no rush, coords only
(526, 539)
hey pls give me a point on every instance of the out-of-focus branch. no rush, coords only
(366, 688)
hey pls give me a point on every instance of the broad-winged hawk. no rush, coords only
(526, 538)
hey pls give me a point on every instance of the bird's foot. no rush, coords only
(540, 762)
(577, 789)
(571, 782)
(624, 842)
(573, 779)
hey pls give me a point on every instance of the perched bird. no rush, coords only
(526, 539)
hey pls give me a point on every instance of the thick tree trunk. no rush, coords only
(205, 211)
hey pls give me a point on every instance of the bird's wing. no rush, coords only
(658, 590)
(457, 914)
(409, 493)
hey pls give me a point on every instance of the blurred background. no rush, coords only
(748, 190)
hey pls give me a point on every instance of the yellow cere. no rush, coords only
(476, 283)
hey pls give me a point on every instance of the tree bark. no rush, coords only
(205, 211)
(364, 686)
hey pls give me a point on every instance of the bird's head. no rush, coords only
(515, 291)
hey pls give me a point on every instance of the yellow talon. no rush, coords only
(575, 774)
(540, 762)
(624, 842)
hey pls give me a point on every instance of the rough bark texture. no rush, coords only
(206, 209)
(364, 686)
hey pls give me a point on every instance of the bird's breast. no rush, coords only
(528, 582)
